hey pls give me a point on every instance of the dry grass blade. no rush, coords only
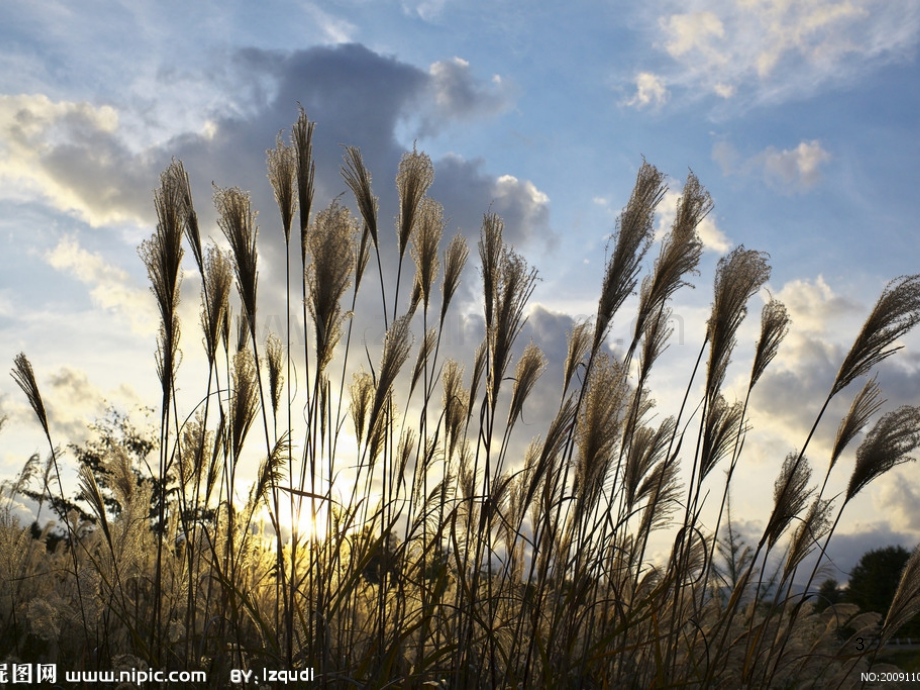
(865, 404)
(906, 603)
(896, 312)
(416, 173)
(774, 325)
(633, 238)
(358, 180)
(790, 495)
(894, 436)
(24, 376)
(738, 277)
(303, 146)
(237, 220)
(282, 173)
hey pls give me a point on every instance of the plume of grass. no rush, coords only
(416, 173)
(237, 220)
(578, 343)
(455, 257)
(896, 312)
(244, 403)
(739, 276)
(633, 238)
(215, 296)
(274, 353)
(790, 496)
(282, 173)
(680, 253)
(529, 368)
(332, 247)
(864, 405)
(302, 135)
(894, 436)
(719, 431)
(425, 246)
(774, 325)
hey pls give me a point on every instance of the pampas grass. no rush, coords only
(393, 531)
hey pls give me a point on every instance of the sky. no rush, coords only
(802, 119)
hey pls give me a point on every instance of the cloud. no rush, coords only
(70, 153)
(897, 496)
(797, 168)
(711, 235)
(111, 287)
(457, 93)
(773, 50)
(794, 170)
(650, 91)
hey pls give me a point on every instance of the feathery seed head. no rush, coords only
(529, 368)
(633, 238)
(719, 431)
(362, 394)
(358, 179)
(416, 173)
(425, 246)
(282, 173)
(894, 436)
(332, 247)
(455, 257)
(896, 312)
(302, 135)
(244, 402)
(579, 342)
(865, 404)
(237, 221)
(739, 276)
(790, 495)
(274, 353)
(24, 376)
(215, 298)
(680, 252)
(774, 325)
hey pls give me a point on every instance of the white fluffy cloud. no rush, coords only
(797, 169)
(111, 288)
(650, 91)
(774, 49)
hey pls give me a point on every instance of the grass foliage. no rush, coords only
(392, 534)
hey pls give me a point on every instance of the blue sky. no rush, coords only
(802, 119)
